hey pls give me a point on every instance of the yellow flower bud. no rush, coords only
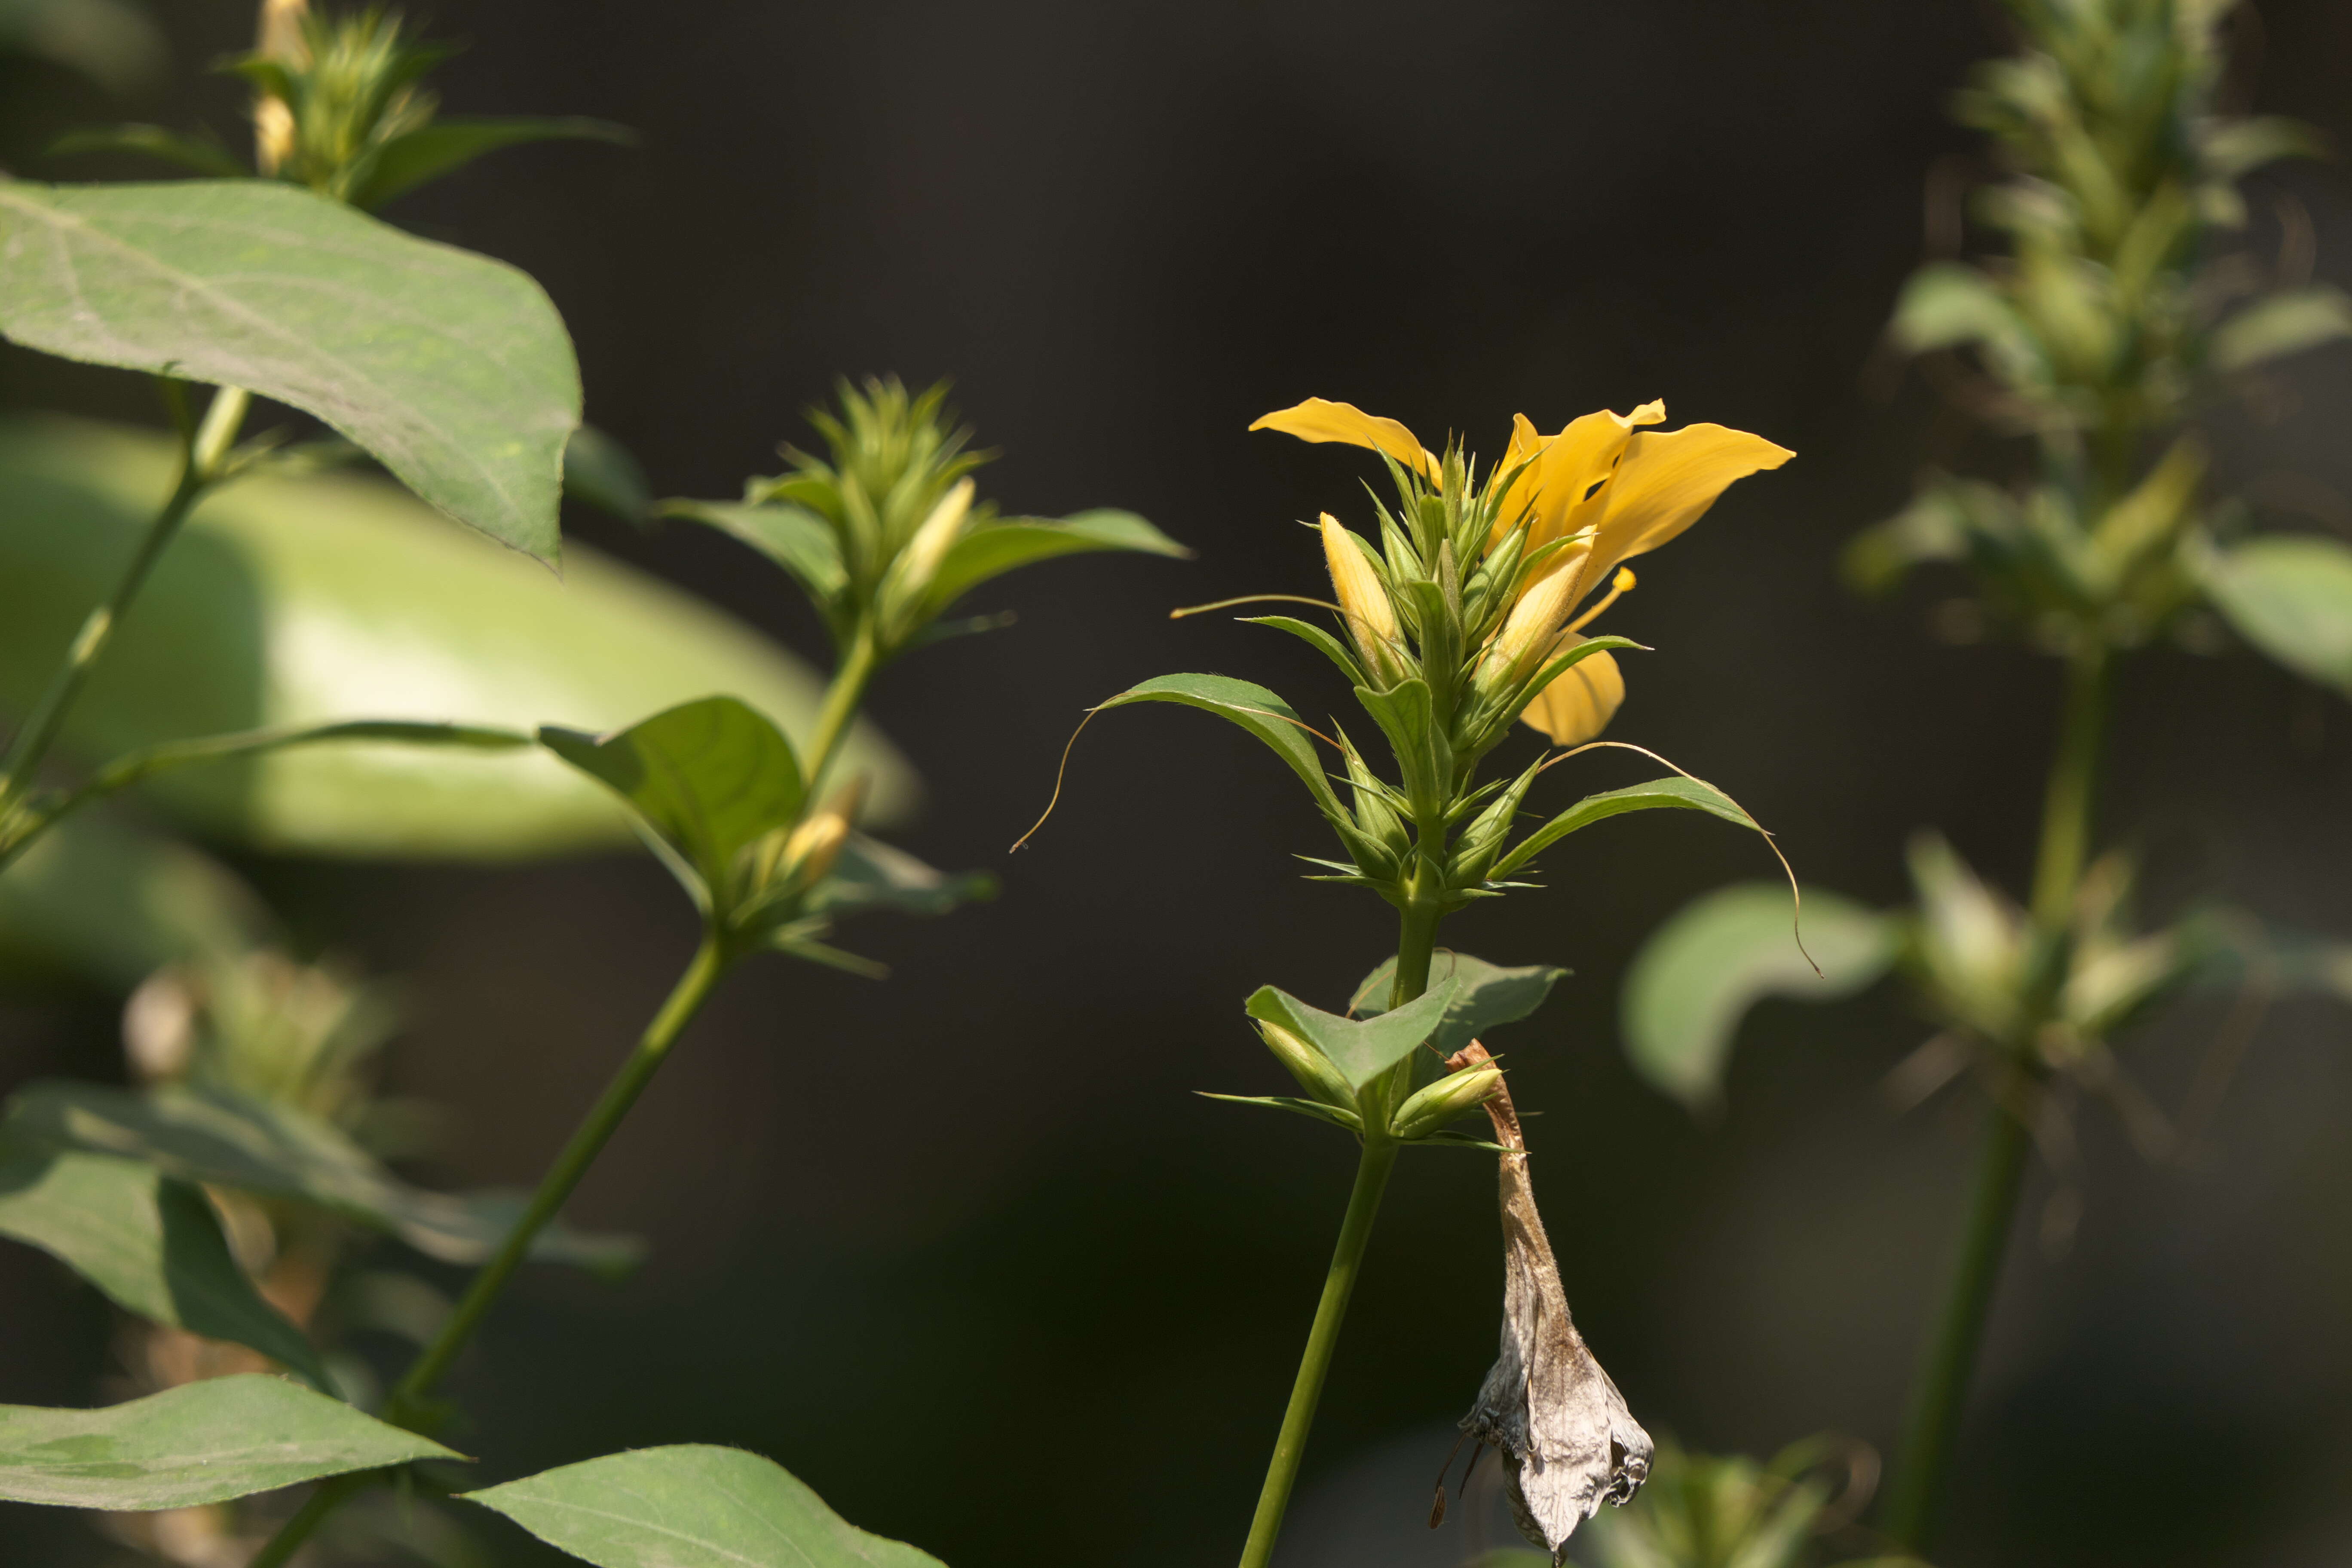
(809, 851)
(1364, 597)
(1533, 625)
(1453, 1095)
(920, 562)
(1310, 1067)
(278, 37)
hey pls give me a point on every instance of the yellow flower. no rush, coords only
(1608, 485)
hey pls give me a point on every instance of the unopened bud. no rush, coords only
(920, 562)
(279, 37)
(1532, 626)
(1363, 598)
(810, 849)
(1310, 1067)
(1455, 1094)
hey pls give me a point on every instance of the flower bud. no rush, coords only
(1532, 627)
(1453, 1095)
(809, 851)
(279, 37)
(920, 562)
(1364, 599)
(1310, 1067)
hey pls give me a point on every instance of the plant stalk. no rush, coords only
(199, 469)
(1947, 1367)
(842, 699)
(1417, 940)
(407, 1406)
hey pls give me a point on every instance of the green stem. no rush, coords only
(199, 469)
(840, 700)
(407, 1406)
(1417, 940)
(1939, 1395)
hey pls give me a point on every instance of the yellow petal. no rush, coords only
(1320, 419)
(1564, 470)
(1664, 481)
(1579, 701)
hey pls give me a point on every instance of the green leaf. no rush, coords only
(2291, 596)
(1685, 794)
(113, 42)
(448, 144)
(2284, 323)
(599, 471)
(1316, 638)
(1486, 997)
(202, 1442)
(1699, 973)
(691, 1506)
(1362, 1050)
(201, 153)
(149, 1242)
(872, 875)
(709, 777)
(794, 538)
(1254, 709)
(293, 600)
(994, 549)
(452, 369)
(109, 905)
(1314, 1110)
(220, 1137)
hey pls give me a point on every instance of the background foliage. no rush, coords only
(1072, 1288)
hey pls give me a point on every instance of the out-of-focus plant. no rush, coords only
(2112, 315)
(215, 1201)
(1462, 617)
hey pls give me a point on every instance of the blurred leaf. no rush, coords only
(1683, 793)
(448, 145)
(112, 43)
(2282, 323)
(1485, 995)
(872, 875)
(690, 1506)
(151, 1243)
(1934, 527)
(1361, 1051)
(599, 471)
(205, 1442)
(218, 1136)
(202, 154)
(109, 905)
(452, 369)
(1949, 304)
(1314, 1110)
(709, 777)
(1699, 973)
(994, 549)
(297, 601)
(2291, 596)
(2234, 147)
(795, 539)
(1254, 709)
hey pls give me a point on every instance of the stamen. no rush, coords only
(1619, 586)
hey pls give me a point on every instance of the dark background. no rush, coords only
(961, 1249)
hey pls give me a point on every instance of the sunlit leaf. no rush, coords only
(1678, 792)
(220, 1137)
(452, 369)
(200, 1443)
(690, 1506)
(1255, 710)
(292, 601)
(149, 1242)
(709, 777)
(995, 548)
(1697, 975)
(2291, 596)
(794, 538)
(1362, 1050)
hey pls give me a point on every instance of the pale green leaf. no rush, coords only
(2284, 323)
(1678, 792)
(709, 777)
(2291, 596)
(994, 549)
(200, 1443)
(149, 1242)
(1485, 995)
(872, 875)
(294, 600)
(1362, 1050)
(690, 1506)
(794, 538)
(218, 1136)
(449, 142)
(1697, 975)
(452, 369)
(1255, 710)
